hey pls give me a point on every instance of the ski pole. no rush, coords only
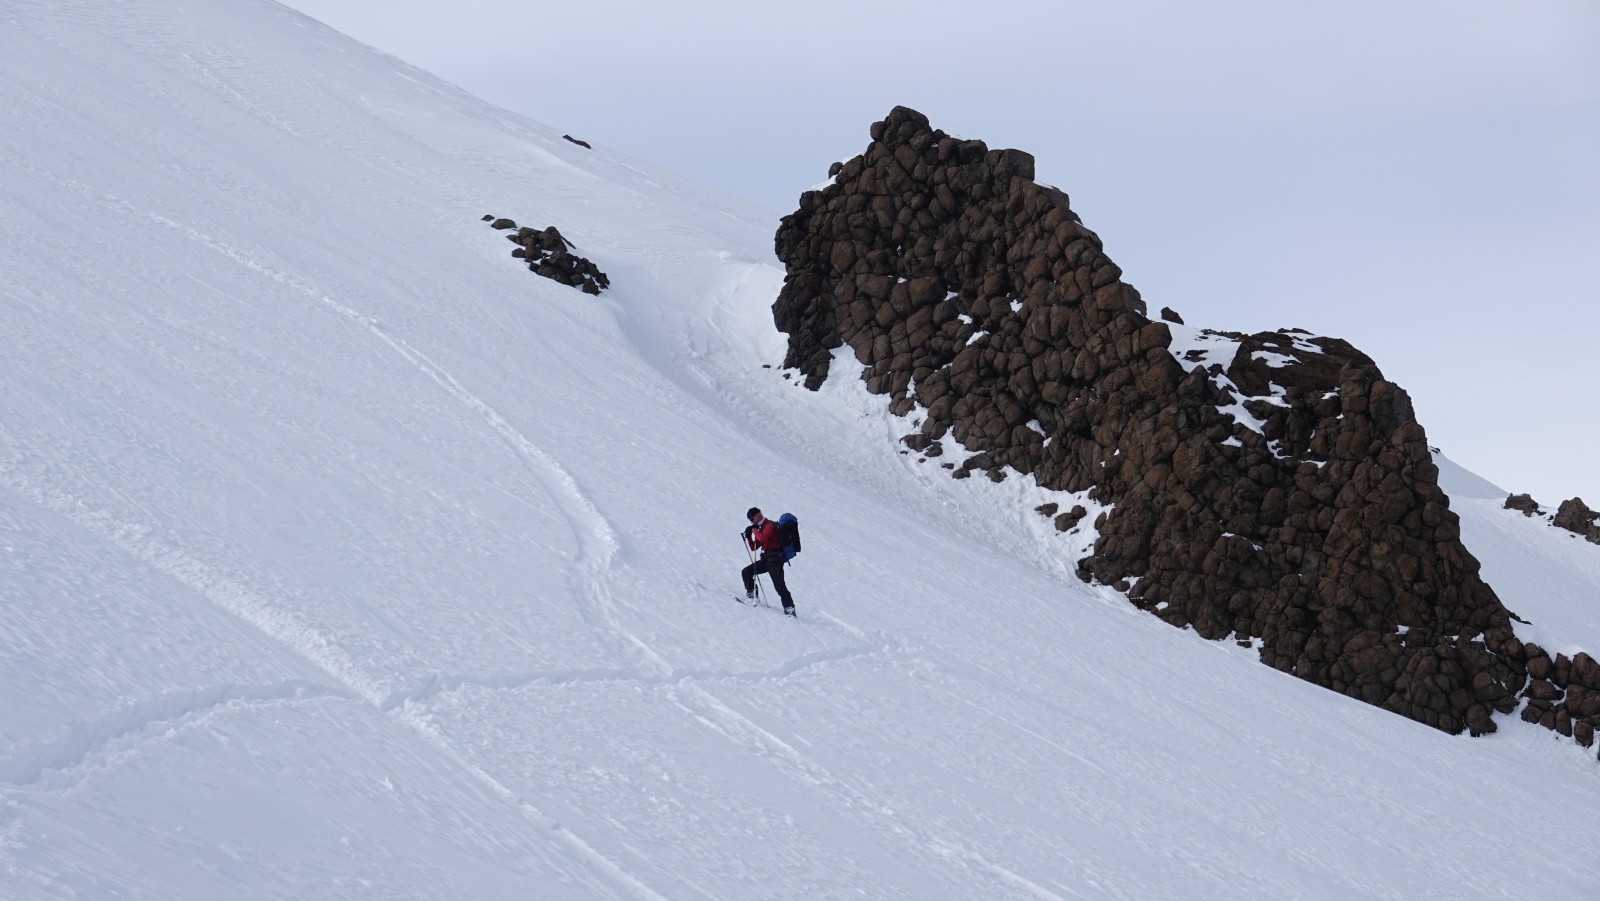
(750, 555)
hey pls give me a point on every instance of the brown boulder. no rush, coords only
(1576, 517)
(1523, 503)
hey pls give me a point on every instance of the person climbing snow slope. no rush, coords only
(764, 536)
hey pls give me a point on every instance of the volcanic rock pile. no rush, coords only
(1564, 693)
(1273, 488)
(546, 253)
(1573, 515)
(1523, 503)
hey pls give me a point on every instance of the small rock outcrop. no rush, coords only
(1576, 517)
(1572, 514)
(549, 254)
(1273, 488)
(1523, 503)
(1564, 694)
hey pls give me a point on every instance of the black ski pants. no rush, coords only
(771, 563)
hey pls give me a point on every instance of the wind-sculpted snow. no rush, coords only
(341, 558)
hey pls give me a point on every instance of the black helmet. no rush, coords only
(752, 513)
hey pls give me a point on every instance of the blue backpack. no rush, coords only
(789, 528)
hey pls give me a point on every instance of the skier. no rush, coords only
(763, 536)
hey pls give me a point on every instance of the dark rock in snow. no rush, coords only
(1576, 517)
(1069, 520)
(548, 253)
(1522, 502)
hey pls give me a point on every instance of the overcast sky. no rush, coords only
(1419, 178)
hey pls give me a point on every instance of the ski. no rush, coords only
(759, 606)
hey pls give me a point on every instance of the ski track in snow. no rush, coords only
(443, 683)
(597, 548)
(283, 627)
(272, 620)
(84, 739)
(598, 545)
(738, 728)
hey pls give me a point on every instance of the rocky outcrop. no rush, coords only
(1274, 488)
(549, 254)
(1523, 503)
(1573, 515)
(1564, 694)
(1576, 517)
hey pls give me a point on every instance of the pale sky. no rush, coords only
(1418, 178)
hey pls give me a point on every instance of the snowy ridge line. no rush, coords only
(84, 739)
(444, 683)
(268, 618)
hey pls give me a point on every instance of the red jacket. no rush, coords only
(764, 537)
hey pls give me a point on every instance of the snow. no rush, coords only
(1461, 484)
(1236, 407)
(345, 557)
(1546, 575)
(1273, 360)
(1208, 347)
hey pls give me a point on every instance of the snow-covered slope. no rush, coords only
(340, 556)
(1549, 576)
